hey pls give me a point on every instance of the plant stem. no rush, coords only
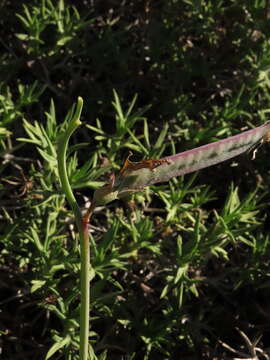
(82, 226)
(85, 291)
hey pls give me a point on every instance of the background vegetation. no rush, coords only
(179, 269)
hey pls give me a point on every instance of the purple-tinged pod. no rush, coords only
(135, 176)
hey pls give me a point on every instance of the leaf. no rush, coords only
(134, 176)
(57, 346)
(180, 273)
(36, 284)
(22, 36)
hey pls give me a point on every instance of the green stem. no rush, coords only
(82, 228)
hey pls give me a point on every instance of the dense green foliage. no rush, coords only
(178, 268)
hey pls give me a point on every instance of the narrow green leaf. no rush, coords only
(57, 346)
